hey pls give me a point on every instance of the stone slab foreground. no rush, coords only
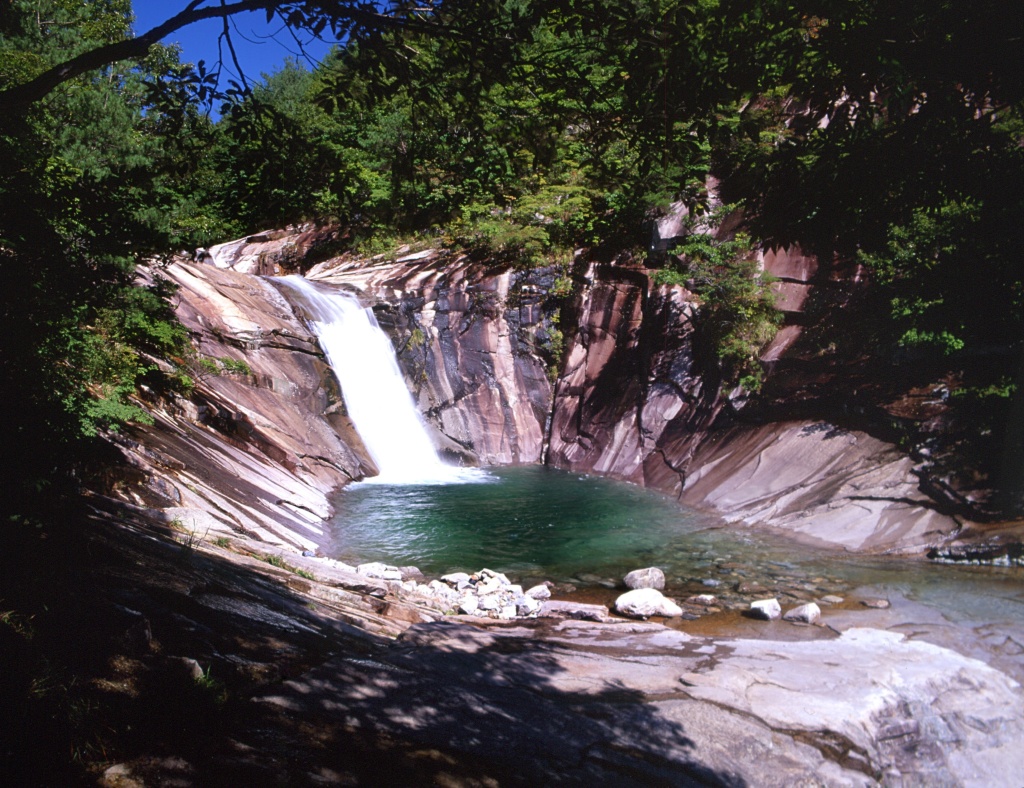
(637, 703)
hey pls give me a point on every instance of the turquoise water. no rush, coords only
(539, 522)
(526, 519)
(535, 523)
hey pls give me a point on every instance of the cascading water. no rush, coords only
(378, 402)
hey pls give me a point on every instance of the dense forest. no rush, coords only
(886, 134)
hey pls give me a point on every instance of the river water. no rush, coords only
(584, 533)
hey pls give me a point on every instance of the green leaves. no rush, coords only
(737, 317)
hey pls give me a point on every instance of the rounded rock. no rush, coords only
(651, 577)
(646, 602)
(766, 609)
(806, 614)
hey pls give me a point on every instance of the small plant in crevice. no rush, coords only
(737, 316)
(213, 689)
(553, 345)
(280, 563)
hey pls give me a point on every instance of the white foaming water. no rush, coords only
(378, 402)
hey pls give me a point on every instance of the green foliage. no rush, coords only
(280, 563)
(928, 269)
(886, 133)
(211, 688)
(553, 344)
(90, 187)
(235, 366)
(737, 315)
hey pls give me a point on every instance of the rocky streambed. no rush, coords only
(564, 693)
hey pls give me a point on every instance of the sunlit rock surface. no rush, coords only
(632, 403)
(477, 344)
(253, 449)
(467, 337)
(638, 704)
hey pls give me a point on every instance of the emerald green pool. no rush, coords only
(535, 523)
(526, 519)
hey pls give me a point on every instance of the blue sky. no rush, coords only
(261, 48)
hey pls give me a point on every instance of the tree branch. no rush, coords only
(22, 96)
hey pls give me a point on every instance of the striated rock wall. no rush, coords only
(629, 384)
(632, 402)
(477, 344)
(472, 342)
(254, 451)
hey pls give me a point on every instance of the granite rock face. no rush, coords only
(632, 402)
(254, 449)
(629, 385)
(473, 342)
(478, 345)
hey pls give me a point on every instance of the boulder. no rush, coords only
(807, 614)
(527, 605)
(469, 605)
(766, 609)
(651, 577)
(646, 602)
(379, 570)
(539, 592)
(579, 611)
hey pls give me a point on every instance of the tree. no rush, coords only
(341, 17)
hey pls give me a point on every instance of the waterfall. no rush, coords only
(378, 401)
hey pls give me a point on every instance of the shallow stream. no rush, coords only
(584, 533)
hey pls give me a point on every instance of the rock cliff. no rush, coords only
(480, 345)
(474, 343)
(260, 445)
(244, 467)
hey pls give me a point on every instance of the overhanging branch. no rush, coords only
(361, 13)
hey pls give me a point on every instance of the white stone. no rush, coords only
(651, 577)
(469, 604)
(705, 600)
(527, 606)
(507, 612)
(808, 614)
(539, 592)
(646, 602)
(455, 578)
(379, 570)
(766, 609)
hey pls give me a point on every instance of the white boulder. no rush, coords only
(807, 614)
(646, 602)
(766, 609)
(651, 577)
